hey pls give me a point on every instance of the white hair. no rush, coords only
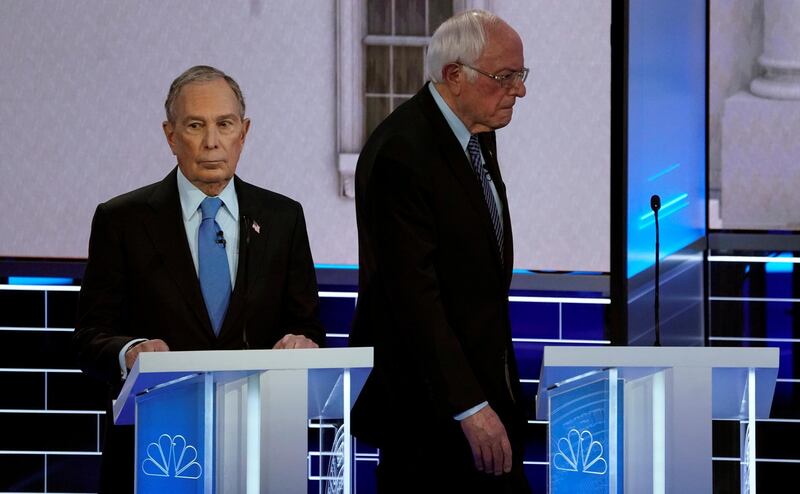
(460, 39)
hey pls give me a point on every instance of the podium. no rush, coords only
(239, 421)
(638, 419)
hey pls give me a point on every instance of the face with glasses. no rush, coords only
(484, 92)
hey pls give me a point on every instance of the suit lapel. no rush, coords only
(255, 223)
(461, 167)
(168, 234)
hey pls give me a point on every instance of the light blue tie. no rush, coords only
(215, 278)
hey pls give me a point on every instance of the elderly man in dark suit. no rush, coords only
(198, 261)
(443, 400)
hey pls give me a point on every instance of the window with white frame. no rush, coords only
(397, 33)
(380, 64)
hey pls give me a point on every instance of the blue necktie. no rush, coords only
(474, 149)
(215, 278)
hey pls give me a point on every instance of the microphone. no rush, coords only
(655, 205)
(221, 239)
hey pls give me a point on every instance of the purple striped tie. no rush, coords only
(475, 158)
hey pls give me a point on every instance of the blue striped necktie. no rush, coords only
(215, 278)
(475, 158)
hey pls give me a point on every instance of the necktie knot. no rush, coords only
(210, 206)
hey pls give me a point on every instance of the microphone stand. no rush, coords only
(655, 205)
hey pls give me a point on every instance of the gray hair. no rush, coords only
(460, 38)
(200, 73)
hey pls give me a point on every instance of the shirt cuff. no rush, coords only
(472, 411)
(124, 368)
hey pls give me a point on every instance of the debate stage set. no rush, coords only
(651, 171)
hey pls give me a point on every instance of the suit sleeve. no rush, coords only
(301, 308)
(96, 340)
(403, 226)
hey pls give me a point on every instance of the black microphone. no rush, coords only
(655, 205)
(221, 238)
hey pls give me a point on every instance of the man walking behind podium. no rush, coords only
(199, 261)
(435, 251)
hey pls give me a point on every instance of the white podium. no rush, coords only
(638, 419)
(238, 421)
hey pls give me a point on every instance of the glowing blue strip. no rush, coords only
(778, 267)
(664, 206)
(663, 172)
(37, 280)
(336, 266)
(667, 209)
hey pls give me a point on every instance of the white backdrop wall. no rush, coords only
(82, 85)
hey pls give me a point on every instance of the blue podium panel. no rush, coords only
(586, 434)
(172, 439)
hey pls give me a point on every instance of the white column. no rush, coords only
(781, 57)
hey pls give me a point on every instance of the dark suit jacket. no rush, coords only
(433, 294)
(140, 282)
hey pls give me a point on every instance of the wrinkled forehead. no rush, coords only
(207, 98)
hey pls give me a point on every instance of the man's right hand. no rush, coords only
(488, 439)
(145, 346)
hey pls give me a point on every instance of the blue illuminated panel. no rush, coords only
(580, 443)
(666, 126)
(170, 440)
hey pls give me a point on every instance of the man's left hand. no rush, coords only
(294, 341)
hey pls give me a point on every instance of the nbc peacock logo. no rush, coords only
(171, 456)
(579, 452)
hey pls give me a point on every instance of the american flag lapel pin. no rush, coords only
(256, 227)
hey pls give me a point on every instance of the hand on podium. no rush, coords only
(294, 341)
(145, 346)
(488, 439)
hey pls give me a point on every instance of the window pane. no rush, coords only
(377, 110)
(377, 69)
(398, 101)
(379, 16)
(438, 12)
(408, 69)
(409, 17)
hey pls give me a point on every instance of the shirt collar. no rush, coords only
(457, 126)
(191, 197)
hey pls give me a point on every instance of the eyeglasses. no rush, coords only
(506, 81)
